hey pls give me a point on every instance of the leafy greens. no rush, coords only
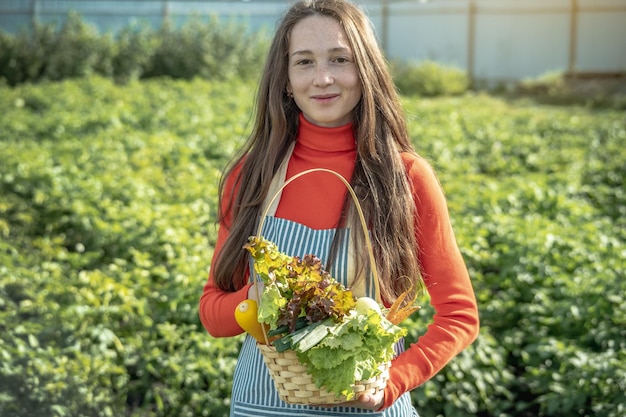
(316, 317)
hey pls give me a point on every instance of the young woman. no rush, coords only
(327, 100)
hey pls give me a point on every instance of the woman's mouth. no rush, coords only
(324, 98)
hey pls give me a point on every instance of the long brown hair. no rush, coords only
(379, 178)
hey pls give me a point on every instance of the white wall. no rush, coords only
(602, 36)
(507, 40)
(524, 42)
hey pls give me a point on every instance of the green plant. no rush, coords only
(105, 245)
(135, 47)
(429, 79)
(77, 50)
(108, 198)
(198, 48)
(206, 49)
(557, 87)
(24, 56)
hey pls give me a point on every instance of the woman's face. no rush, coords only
(323, 76)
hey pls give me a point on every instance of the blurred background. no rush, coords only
(494, 41)
(117, 119)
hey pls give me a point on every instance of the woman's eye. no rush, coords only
(303, 62)
(341, 60)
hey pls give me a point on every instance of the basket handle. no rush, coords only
(368, 242)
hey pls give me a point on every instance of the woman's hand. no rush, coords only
(252, 291)
(366, 401)
(370, 401)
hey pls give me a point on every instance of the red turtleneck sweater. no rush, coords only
(315, 200)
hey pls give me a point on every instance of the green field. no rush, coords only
(107, 219)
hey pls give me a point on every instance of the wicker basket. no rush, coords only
(293, 383)
(296, 386)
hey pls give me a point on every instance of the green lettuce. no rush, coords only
(353, 350)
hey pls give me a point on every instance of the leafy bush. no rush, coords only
(207, 50)
(429, 79)
(210, 50)
(547, 257)
(135, 48)
(557, 87)
(107, 210)
(108, 200)
(23, 57)
(77, 51)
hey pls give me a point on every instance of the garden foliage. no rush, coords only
(108, 200)
(429, 79)
(209, 49)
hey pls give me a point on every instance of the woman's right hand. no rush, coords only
(252, 291)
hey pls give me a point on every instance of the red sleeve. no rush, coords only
(455, 322)
(217, 307)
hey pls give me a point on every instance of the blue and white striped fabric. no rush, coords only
(254, 394)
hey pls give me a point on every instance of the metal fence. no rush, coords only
(493, 40)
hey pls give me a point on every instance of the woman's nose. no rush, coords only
(323, 76)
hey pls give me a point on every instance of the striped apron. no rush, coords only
(254, 394)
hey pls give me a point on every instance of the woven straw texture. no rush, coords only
(296, 386)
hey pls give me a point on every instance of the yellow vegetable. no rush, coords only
(246, 316)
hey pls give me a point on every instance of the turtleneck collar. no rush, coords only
(325, 139)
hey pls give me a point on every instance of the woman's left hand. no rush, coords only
(370, 401)
(365, 401)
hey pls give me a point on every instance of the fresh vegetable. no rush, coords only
(296, 287)
(246, 316)
(352, 351)
(304, 338)
(397, 313)
(338, 339)
(366, 304)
